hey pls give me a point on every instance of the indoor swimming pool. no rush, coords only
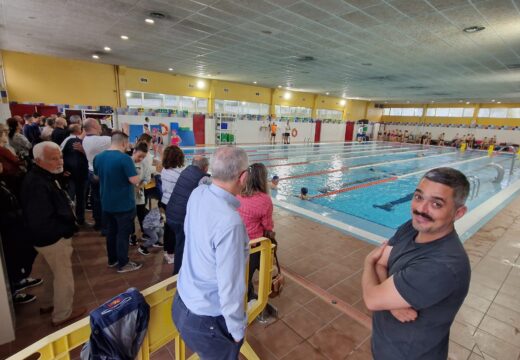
(365, 188)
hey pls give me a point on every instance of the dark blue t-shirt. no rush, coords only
(434, 279)
(114, 168)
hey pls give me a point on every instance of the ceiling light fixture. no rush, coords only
(255, 82)
(95, 56)
(170, 69)
(287, 95)
(279, 86)
(106, 48)
(473, 29)
(342, 102)
(201, 84)
(127, 94)
(327, 93)
(124, 37)
(467, 102)
(408, 102)
(149, 21)
(493, 100)
(499, 102)
(209, 75)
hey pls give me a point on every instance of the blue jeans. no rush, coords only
(206, 335)
(120, 225)
(95, 200)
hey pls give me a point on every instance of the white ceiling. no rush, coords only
(394, 50)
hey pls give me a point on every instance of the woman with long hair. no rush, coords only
(256, 210)
(173, 164)
(17, 140)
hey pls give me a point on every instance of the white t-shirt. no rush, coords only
(93, 145)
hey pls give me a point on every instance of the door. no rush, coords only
(317, 132)
(199, 128)
(349, 131)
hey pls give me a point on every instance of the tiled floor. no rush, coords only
(487, 326)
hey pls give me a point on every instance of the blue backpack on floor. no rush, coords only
(118, 328)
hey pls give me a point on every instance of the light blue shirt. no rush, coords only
(212, 277)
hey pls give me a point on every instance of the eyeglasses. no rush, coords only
(248, 170)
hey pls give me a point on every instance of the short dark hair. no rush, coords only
(145, 137)
(36, 115)
(452, 178)
(141, 146)
(276, 177)
(173, 157)
(304, 191)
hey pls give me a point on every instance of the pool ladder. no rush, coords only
(474, 186)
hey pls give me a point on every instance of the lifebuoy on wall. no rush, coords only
(294, 132)
(164, 129)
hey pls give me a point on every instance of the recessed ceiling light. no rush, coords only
(254, 82)
(209, 75)
(243, 102)
(408, 102)
(460, 101)
(499, 102)
(433, 101)
(342, 102)
(287, 95)
(201, 84)
(170, 69)
(106, 48)
(493, 100)
(95, 56)
(279, 86)
(149, 21)
(124, 37)
(467, 102)
(127, 94)
(473, 29)
(327, 93)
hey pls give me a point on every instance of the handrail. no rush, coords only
(511, 170)
(161, 329)
(474, 181)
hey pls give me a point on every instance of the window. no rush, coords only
(171, 101)
(241, 107)
(202, 105)
(430, 112)
(468, 112)
(418, 111)
(456, 112)
(386, 111)
(407, 111)
(514, 113)
(187, 103)
(326, 114)
(444, 112)
(498, 112)
(292, 111)
(484, 112)
(134, 99)
(153, 100)
(396, 111)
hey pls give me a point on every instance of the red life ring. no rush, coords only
(164, 129)
(294, 132)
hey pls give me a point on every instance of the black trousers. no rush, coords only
(254, 264)
(169, 236)
(180, 238)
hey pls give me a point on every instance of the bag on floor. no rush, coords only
(118, 328)
(278, 280)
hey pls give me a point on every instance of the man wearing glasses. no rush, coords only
(208, 308)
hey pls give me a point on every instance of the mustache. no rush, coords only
(426, 216)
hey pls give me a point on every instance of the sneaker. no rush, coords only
(27, 283)
(112, 265)
(158, 244)
(169, 258)
(133, 240)
(23, 298)
(143, 251)
(130, 266)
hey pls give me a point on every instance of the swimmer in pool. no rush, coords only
(303, 193)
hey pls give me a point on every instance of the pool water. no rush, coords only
(368, 186)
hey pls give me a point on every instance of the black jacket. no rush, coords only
(46, 208)
(75, 161)
(58, 135)
(187, 182)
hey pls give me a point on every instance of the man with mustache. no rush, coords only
(416, 283)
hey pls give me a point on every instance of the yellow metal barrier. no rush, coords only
(161, 329)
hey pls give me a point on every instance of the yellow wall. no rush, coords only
(44, 79)
(374, 114)
(51, 80)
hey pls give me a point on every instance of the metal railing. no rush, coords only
(161, 329)
(474, 182)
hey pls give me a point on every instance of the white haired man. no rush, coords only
(208, 308)
(51, 223)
